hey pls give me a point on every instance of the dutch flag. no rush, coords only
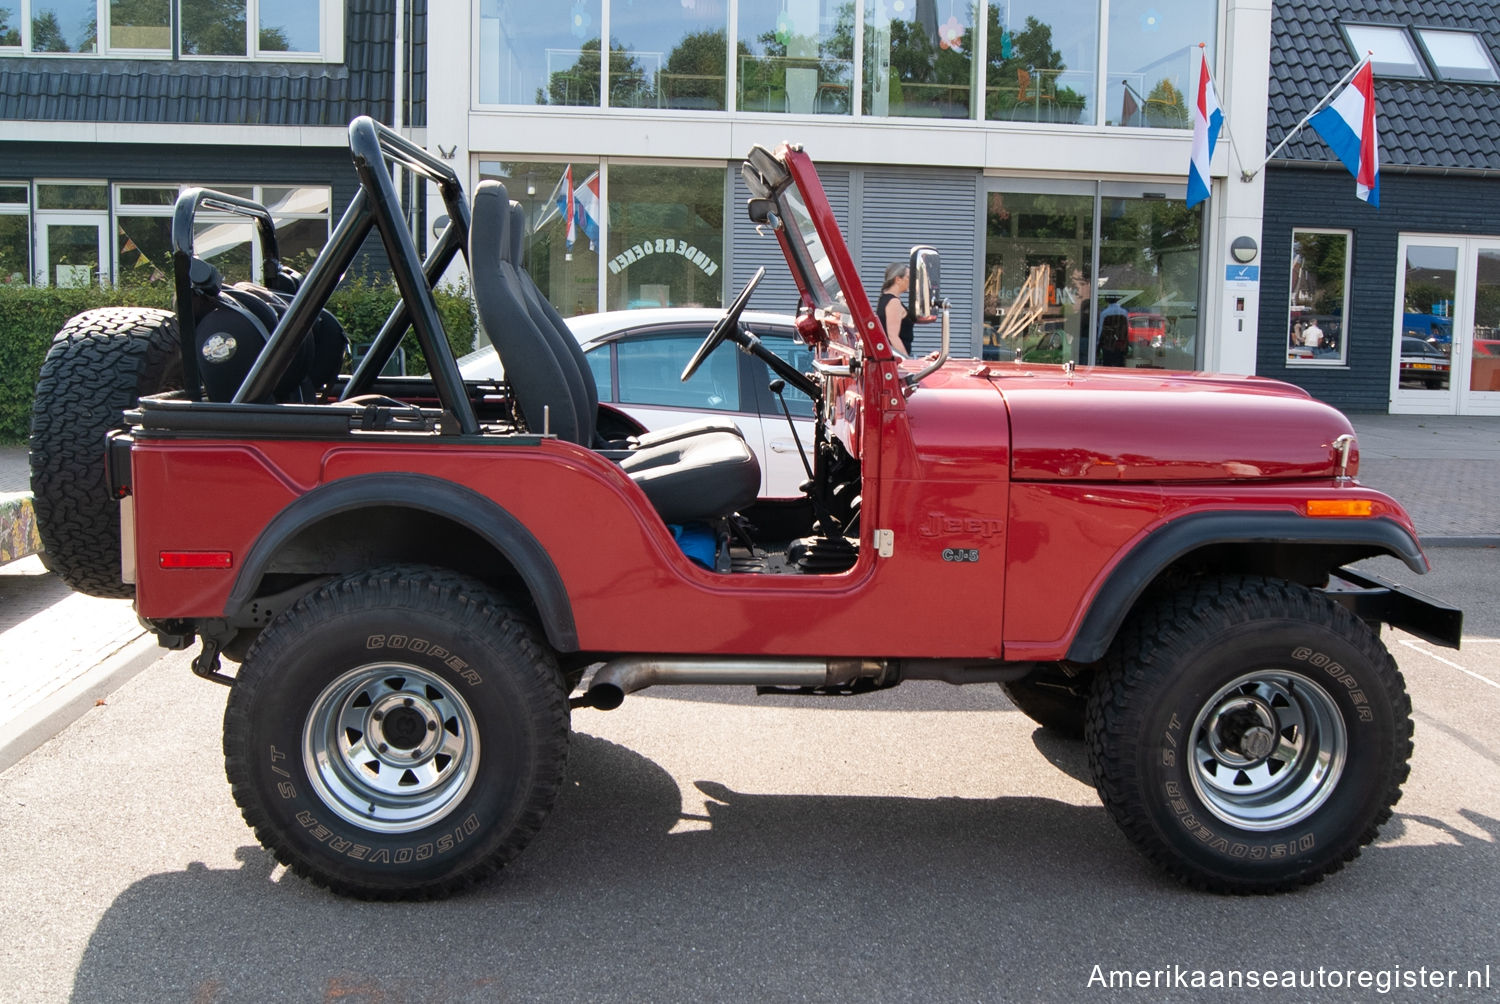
(565, 204)
(1347, 125)
(1207, 120)
(586, 210)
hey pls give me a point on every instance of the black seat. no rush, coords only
(700, 476)
(565, 346)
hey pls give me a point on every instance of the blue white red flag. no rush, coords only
(1347, 125)
(586, 210)
(565, 204)
(1208, 119)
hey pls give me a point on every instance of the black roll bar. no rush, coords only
(374, 149)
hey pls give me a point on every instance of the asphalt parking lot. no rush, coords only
(917, 844)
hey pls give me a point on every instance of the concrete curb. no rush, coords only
(61, 709)
(1460, 542)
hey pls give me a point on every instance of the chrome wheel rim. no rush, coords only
(1268, 750)
(390, 747)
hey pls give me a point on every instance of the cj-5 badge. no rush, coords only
(960, 554)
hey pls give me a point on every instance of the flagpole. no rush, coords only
(551, 204)
(1250, 175)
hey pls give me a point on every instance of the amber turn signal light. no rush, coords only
(1340, 507)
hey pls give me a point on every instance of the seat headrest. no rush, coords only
(489, 230)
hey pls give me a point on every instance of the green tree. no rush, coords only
(1165, 105)
(213, 27)
(47, 35)
(8, 34)
(694, 71)
(629, 84)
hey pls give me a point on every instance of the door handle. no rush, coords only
(783, 446)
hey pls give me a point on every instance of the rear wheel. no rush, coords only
(1249, 735)
(100, 364)
(397, 734)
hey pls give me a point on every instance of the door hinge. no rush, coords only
(885, 542)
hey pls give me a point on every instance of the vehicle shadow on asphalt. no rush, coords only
(24, 593)
(624, 897)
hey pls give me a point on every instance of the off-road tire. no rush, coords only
(100, 364)
(311, 732)
(1175, 723)
(1053, 699)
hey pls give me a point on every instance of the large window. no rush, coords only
(996, 60)
(1150, 252)
(567, 275)
(1318, 308)
(796, 56)
(15, 233)
(666, 237)
(1042, 61)
(1052, 291)
(668, 55)
(919, 58)
(1151, 46)
(245, 29)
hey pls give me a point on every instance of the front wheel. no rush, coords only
(400, 733)
(1249, 735)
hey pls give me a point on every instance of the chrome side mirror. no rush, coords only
(923, 296)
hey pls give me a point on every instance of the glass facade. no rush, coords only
(1042, 62)
(916, 58)
(1045, 300)
(15, 233)
(919, 58)
(666, 237)
(1151, 45)
(796, 56)
(568, 276)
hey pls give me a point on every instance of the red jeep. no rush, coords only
(415, 573)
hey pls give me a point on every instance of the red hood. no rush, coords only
(1155, 425)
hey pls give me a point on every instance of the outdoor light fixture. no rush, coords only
(1244, 250)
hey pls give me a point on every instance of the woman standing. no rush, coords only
(890, 309)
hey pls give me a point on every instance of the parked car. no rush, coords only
(1147, 329)
(637, 357)
(1423, 364)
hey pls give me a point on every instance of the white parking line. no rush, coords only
(1416, 647)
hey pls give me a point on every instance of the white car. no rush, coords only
(637, 357)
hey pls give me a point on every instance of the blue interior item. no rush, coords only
(697, 542)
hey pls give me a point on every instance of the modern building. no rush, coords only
(1042, 147)
(108, 109)
(1397, 308)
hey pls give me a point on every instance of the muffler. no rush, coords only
(626, 675)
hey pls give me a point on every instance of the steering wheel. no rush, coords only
(729, 322)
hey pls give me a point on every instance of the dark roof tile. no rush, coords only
(1422, 123)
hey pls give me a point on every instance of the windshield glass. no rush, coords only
(817, 266)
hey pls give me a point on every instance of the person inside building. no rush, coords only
(890, 308)
(1114, 335)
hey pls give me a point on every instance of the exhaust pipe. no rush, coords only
(619, 677)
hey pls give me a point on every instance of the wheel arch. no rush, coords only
(363, 521)
(1282, 545)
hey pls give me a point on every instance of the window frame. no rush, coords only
(1420, 32)
(1419, 60)
(1342, 359)
(330, 38)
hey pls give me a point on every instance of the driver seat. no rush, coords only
(698, 474)
(579, 377)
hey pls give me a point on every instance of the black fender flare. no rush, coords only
(468, 508)
(1165, 545)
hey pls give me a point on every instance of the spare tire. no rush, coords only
(100, 364)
